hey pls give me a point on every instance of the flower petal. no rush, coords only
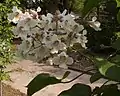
(94, 19)
(38, 9)
(64, 66)
(84, 32)
(69, 61)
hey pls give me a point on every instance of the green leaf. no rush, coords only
(113, 73)
(95, 77)
(118, 17)
(116, 60)
(97, 91)
(116, 44)
(106, 90)
(118, 34)
(110, 90)
(89, 5)
(103, 65)
(118, 3)
(65, 75)
(77, 90)
(39, 82)
(108, 69)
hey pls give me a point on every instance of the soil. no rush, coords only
(8, 91)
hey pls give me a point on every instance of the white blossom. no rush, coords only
(42, 38)
(62, 60)
(15, 10)
(38, 9)
(56, 46)
(49, 39)
(41, 52)
(15, 16)
(95, 24)
(25, 16)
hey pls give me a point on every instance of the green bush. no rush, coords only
(6, 36)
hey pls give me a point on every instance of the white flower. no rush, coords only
(33, 0)
(68, 23)
(24, 16)
(75, 16)
(24, 46)
(78, 28)
(57, 45)
(49, 61)
(62, 60)
(80, 38)
(48, 19)
(95, 24)
(62, 14)
(24, 28)
(38, 9)
(41, 52)
(33, 14)
(84, 32)
(49, 39)
(15, 16)
(41, 39)
(31, 23)
(16, 10)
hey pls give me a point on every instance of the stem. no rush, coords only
(1, 88)
(73, 78)
(78, 76)
(113, 54)
(105, 83)
(1, 82)
(33, 49)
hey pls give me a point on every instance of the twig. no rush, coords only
(78, 76)
(86, 57)
(105, 83)
(1, 82)
(33, 49)
(113, 54)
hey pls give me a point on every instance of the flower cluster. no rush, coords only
(48, 35)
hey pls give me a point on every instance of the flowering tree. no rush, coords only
(49, 37)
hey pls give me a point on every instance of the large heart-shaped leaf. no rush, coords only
(116, 60)
(39, 82)
(110, 90)
(89, 5)
(116, 44)
(95, 77)
(77, 90)
(108, 69)
(106, 90)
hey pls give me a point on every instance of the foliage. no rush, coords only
(89, 5)
(6, 52)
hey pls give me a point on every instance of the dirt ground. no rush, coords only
(22, 72)
(9, 91)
